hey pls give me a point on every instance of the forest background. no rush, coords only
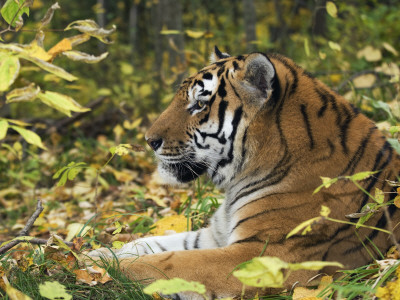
(152, 45)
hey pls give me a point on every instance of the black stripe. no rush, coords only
(250, 239)
(353, 162)
(207, 76)
(185, 242)
(235, 124)
(323, 95)
(303, 108)
(196, 241)
(344, 127)
(161, 247)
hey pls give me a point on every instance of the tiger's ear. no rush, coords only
(216, 55)
(260, 73)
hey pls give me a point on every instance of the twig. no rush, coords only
(26, 229)
(37, 241)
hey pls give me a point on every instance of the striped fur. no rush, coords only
(264, 130)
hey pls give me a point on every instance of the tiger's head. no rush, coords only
(204, 128)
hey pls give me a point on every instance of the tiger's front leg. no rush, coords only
(149, 245)
(211, 267)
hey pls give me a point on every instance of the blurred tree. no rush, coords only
(250, 20)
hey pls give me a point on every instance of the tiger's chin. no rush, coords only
(180, 173)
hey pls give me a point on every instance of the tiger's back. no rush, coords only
(265, 131)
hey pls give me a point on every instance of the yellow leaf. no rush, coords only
(15, 294)
(195, 34)
(145, 90)
(390, 48)
(9, 70)
(322, 55)
(60, 102)
(61, 46)
(370, 54)
(325, 211)
(132, 125)
(364, 81)
(397, 201)
(3, 129)
(263, 271)
(29, 136)
(117, 244)
(331, 9)
(305, 226)
(178, 223)
(334, 46)
(34, 50)
(301, 293)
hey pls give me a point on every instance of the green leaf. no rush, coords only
(29, 136)
(263, 271)
(11, 11)
(306, 47)
(3, 129)
(53, 290)
(61, 102)
(314, 265)
(331, 9)
(173, 286)
(58, 173)
(395, 144)
(326, 182)
(9, 70)
(361, 176)
(379, 196)
(394, 129)
(63, 179)
(73, 172)
(28, 93)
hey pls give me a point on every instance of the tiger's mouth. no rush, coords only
(184, 171)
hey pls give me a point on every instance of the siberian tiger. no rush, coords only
(264, 130)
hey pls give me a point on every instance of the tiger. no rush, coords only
(264, 130)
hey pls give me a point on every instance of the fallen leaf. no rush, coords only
(301, 293)
(54, 290)
(178, 223)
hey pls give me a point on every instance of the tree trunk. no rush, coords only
(250, 17)
(101, 20)
(319, 18)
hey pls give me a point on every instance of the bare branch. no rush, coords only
(25, 230)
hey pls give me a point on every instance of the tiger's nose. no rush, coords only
(154, 143)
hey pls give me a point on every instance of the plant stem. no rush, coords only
(361, 225)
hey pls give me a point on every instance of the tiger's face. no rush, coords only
(204, 128)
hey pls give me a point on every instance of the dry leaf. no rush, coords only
(61, 46)
(301, 293)
(178, 223)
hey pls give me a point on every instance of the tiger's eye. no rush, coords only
(200, 104)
